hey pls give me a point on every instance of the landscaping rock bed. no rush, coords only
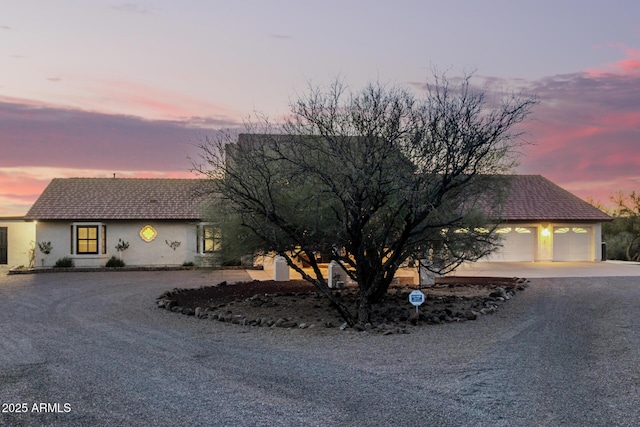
(296, 304)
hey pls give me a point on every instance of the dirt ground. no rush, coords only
(297, 304)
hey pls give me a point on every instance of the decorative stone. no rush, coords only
(289, 324)
(498, 292)
(358, 327)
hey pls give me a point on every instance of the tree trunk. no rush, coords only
(322, 286)
(342, 309)
(379, 291)
(631, 257)
(364, 310)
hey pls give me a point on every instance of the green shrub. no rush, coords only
(188, 264)
(65, 262)
(115, 262)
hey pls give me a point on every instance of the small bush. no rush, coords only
(188, 264)
(65, 262)
(115, 262)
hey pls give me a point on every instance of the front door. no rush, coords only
(3, 245)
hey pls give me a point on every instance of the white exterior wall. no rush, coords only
(58, 234)
(140, 253)
(21, 237)
(597, 241)
(156, 252)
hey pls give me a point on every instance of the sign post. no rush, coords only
(416, 298)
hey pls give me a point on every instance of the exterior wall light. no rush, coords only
(545, 232)
(148, 233)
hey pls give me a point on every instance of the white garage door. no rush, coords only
(518, 244)
(572, 243)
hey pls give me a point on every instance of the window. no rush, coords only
(523, 230)
(210, 239)
(87, 239)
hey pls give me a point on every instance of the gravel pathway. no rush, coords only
(94, 350)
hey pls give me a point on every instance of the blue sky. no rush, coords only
(89, 88)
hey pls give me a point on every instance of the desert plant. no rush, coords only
(121, 247)
(45, 247)
(64, 262)
(115, 262)
(174, 244)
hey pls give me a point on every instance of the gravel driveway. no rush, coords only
(95, 351)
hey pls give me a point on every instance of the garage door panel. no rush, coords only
(518, 244)
(572, 243)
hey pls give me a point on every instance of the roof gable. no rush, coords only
(119, 198)
(535, 198)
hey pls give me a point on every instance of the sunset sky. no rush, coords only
(92, 88)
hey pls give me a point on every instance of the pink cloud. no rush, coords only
(35, 135)
(145, 101)
(630, 64)
(18, 191)
(629, 119)
(587, 129)
(39, 143)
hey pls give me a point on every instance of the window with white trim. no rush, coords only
(88, 239)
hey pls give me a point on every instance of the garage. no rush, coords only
(572, 243)
(518, 244)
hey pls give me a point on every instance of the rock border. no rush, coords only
(391, 318)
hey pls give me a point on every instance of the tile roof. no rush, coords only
(532, 198)
(535, 198)
(118, 198)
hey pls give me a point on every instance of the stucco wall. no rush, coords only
(140, 252)
(156, 252)
(21, 237)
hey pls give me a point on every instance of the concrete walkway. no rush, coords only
(528, 270)
(531, 270)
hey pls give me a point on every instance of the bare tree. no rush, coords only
(373, 179)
